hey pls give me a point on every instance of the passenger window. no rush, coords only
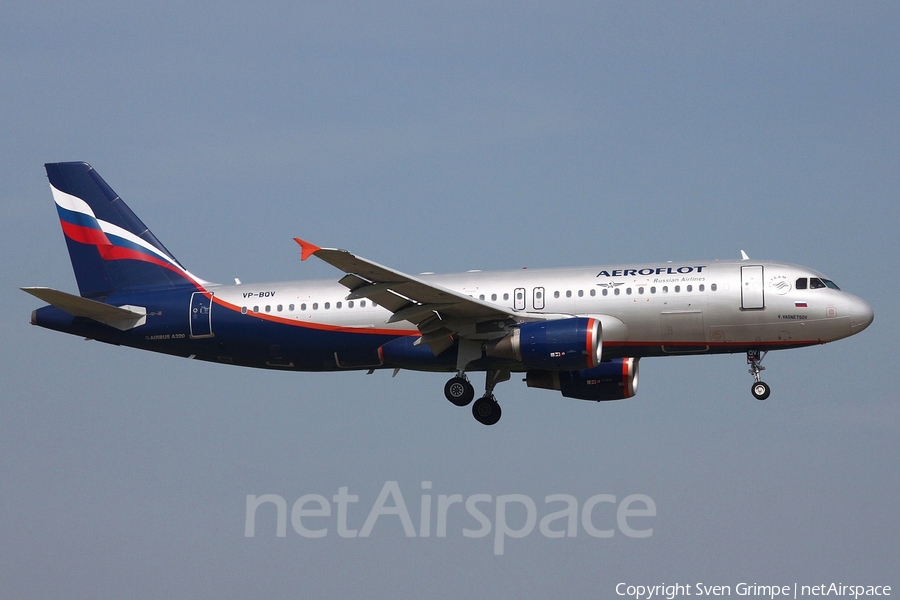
(690, 288)
(580, 293)
(362, 303)
(279, 308)
(593, 292)
(350, 304)
(713, 287)
(256, 309)
(605, 292)
(291, 307)
(338, 305)
(243, 310)
(702, 287)
(568, 293)
(303, 306)
(677, 288)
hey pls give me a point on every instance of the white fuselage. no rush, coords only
(665, 308)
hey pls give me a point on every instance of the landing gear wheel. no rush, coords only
(486, 410)
(760, 390)
(459, 391)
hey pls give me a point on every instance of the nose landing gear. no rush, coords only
(759, 389)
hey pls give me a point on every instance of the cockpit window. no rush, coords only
(815, 283)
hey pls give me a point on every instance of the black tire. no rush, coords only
(486, 410)
(459, 391)
(760, 390)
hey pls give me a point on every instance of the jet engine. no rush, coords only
(613, 380)
(559, 345)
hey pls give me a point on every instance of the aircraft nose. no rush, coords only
(861, 314)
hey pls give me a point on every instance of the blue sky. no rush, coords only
(481, 135)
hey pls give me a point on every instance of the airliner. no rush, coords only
(579, 331)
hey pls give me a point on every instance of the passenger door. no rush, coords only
(201, 315)
(752, 292)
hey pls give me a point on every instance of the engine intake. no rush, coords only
(560, 345)
(616, 379)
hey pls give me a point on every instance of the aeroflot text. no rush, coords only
(560, 519)
(651, 271)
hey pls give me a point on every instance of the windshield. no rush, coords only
(815, 283)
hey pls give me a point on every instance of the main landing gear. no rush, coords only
(486, 410)
(759, 389)
(459, 391)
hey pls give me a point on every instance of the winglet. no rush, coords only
(306, 249)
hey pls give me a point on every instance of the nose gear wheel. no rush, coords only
(759, 389)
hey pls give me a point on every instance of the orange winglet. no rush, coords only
(306, 249)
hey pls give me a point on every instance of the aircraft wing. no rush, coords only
(438, 312)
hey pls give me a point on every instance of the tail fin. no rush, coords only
(112, 251)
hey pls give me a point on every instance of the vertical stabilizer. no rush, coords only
(112, 251)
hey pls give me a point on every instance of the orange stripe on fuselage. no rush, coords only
(319, 326)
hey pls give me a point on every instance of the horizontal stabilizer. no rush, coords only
(122, 318)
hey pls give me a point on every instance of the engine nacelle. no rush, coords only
(560, 345)
(613, 380)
